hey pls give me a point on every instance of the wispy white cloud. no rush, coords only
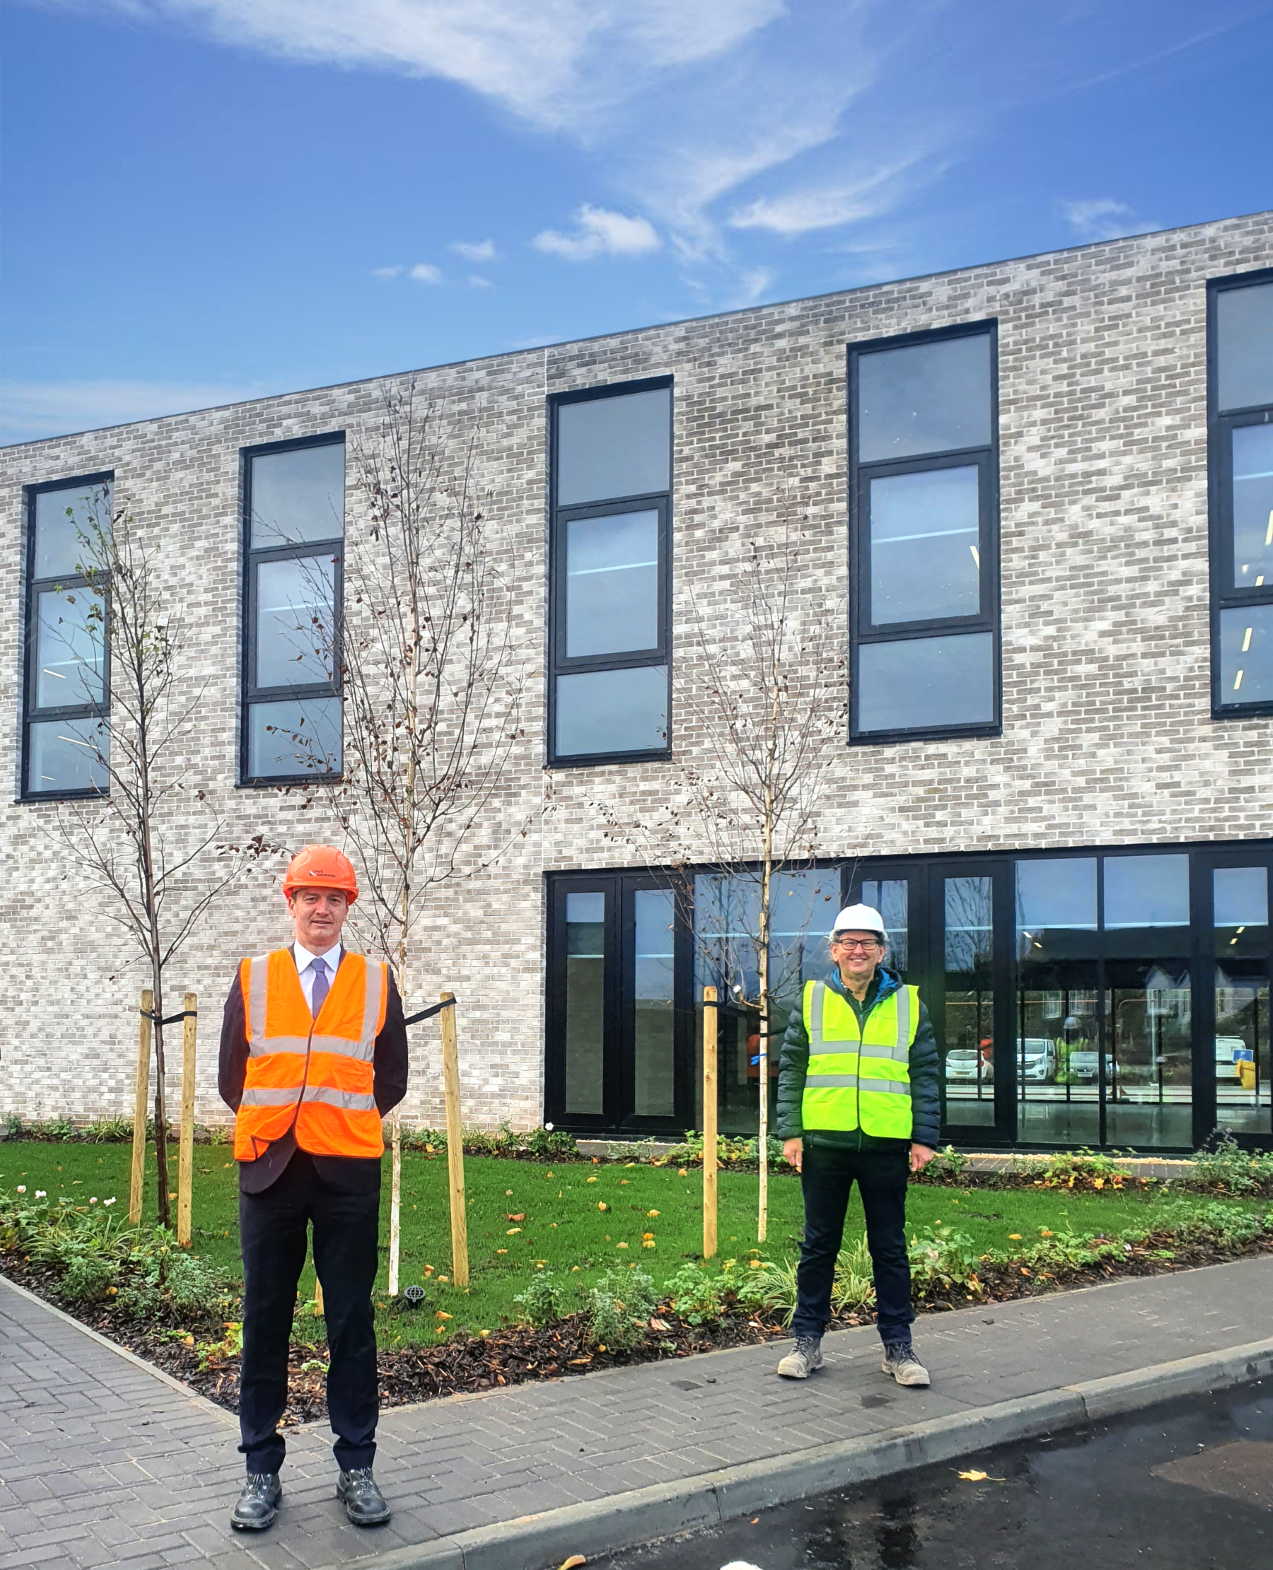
(827, 207)
(32, 410)
(599, 232)
(475, 251)
(1105, 219)
(476, 281)
(386, 272)
(426, 272)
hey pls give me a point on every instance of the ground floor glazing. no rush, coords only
(1114, 998)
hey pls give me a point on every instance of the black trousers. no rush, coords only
(827, 1178)
(273, 1226)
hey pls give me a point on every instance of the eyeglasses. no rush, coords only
(865, 944)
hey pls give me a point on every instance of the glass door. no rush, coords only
(1235, 967)
(968, 1001)
(618, 1057)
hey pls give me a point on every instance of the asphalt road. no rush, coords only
(1184, 1486)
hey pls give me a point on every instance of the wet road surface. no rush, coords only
(1183, 1486)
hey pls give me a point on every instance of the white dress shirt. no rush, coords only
(305, 967)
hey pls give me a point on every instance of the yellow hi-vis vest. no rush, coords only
(859, 1079)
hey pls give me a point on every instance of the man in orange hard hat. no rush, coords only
(313, 1054)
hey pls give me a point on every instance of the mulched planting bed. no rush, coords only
(516, 1354)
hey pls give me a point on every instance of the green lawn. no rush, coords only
(564, 1227)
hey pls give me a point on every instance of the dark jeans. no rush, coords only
(827, 1180)
(273, 1226)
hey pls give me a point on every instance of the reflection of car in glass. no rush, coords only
(962, 1064)
(1036, 1057)
(1083, 1065)
(1230, 1052)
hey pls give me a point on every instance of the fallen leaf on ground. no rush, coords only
(521, 1217)
(511, 1230)
(601, 1205)
(573, 1562)
(973, 1477)
(651, 1212)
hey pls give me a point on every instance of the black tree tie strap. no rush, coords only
(171, 1019)
(429, 1013)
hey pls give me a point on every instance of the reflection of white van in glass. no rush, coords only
(1036, 1057)
(1230, 1051)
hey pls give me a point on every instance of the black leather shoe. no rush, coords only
(364, 1503)
(258, 1504)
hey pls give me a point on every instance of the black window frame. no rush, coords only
(249, 692)
(559, 663)
(986, 459)
(1220, 428)
(33, 588)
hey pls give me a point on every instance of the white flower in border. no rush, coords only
(41, 1193)
(108, 1201)
(93, 1201)
(22, 1188)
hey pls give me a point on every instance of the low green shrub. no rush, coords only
(946, 1168)
(771, 1289)
(620, 1306)
(942, 1258)
(546, 1299)
(853, 1286)
(694, 1293)
(89, 1278)
(1227, 1166)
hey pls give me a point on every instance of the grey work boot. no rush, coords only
(257, 1505)
(364, 1503)
(905, 1367)
(804, 1359)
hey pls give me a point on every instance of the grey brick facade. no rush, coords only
(1107, 734)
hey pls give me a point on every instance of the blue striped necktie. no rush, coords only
(319, 968)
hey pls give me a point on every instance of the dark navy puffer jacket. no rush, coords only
(793, 1065)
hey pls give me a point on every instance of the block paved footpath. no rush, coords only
(105, 1461)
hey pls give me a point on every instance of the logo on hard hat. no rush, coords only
(321, 866)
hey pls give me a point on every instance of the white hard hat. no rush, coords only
(859, 918)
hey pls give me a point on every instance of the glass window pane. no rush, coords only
(890, 897)
(925, 546)
(69, 663)
(1244, 347)
(654, 1003)
(1056, 1050)
(1253, 506)
(932, 397)
(298, 495)
(968, 1069)
(612, 584)
(1146, 891)
(612, 711)
(1057, 894)
(1241, 897)
(585, 1002)
(612, 447)
(726, 918)
(58, 547)
(294, 736)
(67, 755)
(1246, 655)
(294, 623)
(921, 682)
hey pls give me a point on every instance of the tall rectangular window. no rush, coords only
(609, 596)
(294, 524)
(66, 701)
(924, 539)
(1240, 419)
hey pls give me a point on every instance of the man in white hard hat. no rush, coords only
(857, 1100)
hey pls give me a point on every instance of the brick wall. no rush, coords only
(1107, 736)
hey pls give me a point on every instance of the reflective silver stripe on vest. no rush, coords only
(897, 1054)
(815, 1016)
(347, 1100)
(371, 1007)
(895, 1087)
(258, 978)
(902, 1051)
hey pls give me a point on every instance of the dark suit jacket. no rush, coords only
(345, 1174)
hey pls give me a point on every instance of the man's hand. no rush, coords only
(920, 1157)
(793, 1152)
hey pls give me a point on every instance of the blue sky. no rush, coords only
(207, 200)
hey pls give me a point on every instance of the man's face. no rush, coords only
(319, 915)
(857, 954)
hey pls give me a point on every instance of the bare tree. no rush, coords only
(150, 840)
(430, 679)
(763, 695)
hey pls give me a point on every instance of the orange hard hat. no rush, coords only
(321, 867)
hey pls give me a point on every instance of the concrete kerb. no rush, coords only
(540, 1542)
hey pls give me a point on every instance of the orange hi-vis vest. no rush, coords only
(313, 1075)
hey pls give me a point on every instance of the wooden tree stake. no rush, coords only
(139, 1106)
(709, 1122)
(395, 1201)
(185, 1155)
(454, 1147)
(319, 1311)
